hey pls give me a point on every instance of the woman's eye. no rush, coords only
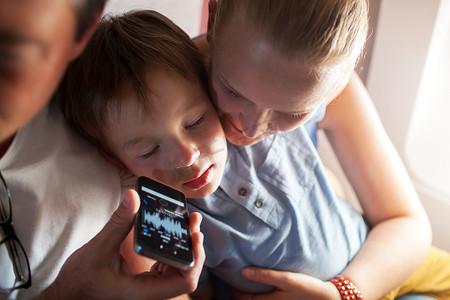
(196, 123)
(231, 93)
(149, 154)
(296, 116)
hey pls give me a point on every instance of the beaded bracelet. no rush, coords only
(347, 288)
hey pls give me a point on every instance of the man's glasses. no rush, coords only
(15, 271)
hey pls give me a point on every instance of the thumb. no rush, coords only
(121, 221)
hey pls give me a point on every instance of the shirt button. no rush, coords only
(259, 203)
(242, 191)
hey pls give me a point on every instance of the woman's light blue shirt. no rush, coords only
(275, 209)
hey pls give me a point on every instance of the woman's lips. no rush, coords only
(231, 129)
(236, 135)
(200, 181)
(235, 128)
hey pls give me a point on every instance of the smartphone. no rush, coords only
(162, 225)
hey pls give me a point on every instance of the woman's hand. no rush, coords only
(289, 286)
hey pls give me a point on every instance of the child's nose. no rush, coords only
(185, 155)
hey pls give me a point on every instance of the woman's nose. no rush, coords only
(254, 123)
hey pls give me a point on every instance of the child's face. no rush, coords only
(258, 91)
(181, 144)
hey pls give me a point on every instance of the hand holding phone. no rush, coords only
(162, 225)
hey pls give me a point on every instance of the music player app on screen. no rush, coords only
(162, 225)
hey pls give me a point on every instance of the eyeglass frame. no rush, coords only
(10, 235)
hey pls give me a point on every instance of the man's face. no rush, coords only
(36, 44)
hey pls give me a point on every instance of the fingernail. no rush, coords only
(126, 201)
(248, 272)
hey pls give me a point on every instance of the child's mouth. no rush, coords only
(200, 181)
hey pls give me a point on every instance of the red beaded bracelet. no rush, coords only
(347, 288)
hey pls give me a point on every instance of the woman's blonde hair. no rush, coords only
(321, 32)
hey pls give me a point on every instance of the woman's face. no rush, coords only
(257, 91)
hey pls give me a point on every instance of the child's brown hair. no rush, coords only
(121, 54)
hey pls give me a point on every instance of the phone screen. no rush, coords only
(162, 224)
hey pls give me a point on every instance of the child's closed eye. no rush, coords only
(149, 153)
(196, 123)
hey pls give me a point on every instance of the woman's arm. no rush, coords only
(400, 233)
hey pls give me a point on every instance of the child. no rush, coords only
(139, 93)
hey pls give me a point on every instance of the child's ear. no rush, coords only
(212, 6)
(114, 161)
